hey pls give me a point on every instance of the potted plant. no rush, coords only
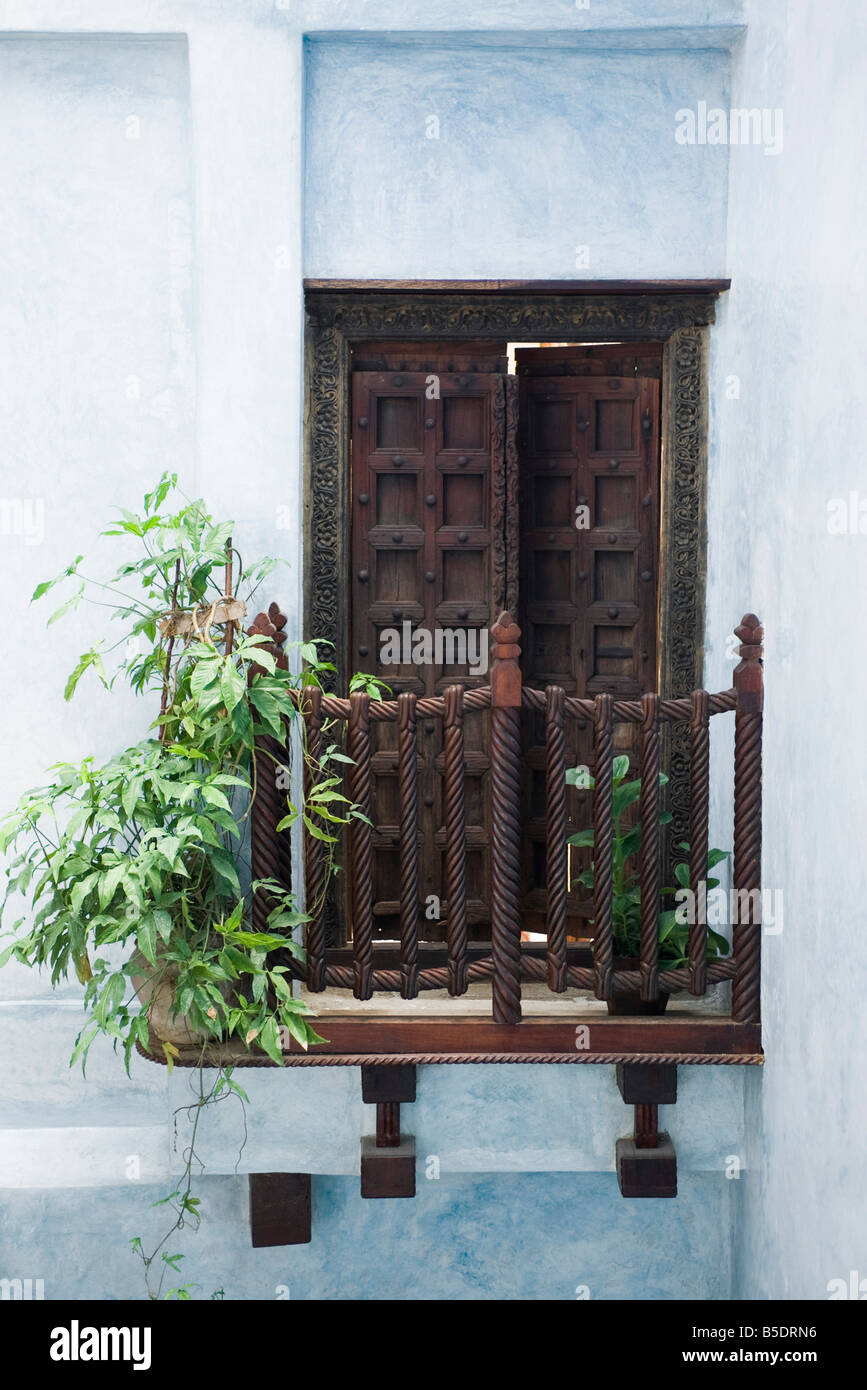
(135, 867)
(626, 894)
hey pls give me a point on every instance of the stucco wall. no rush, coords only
(792, 325)
(170, 252)
(495, 1236)
(435, 162)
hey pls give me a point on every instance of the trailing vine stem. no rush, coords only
(181, 1201)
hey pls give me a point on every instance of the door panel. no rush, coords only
(422, 544)
(589, 524)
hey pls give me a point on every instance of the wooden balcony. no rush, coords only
(372, 997)
(499, 1030)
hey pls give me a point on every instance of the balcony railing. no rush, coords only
(388, 1046)
(561, 966)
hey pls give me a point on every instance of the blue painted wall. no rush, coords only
(441, 162)
(172, 258)
(470, 1236)
(539, 153)
(789, 445)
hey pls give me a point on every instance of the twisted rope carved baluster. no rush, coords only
(270, 850)
(699, 801)
(456, 873)
(408, 780)
(431, 706)
(506, 820)
(556, 851)
(747, 931)
(532, 969)
(314, 867)
(649, 861)
(603, 844)
(360, 845)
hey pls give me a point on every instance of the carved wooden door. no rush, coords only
(589, 504)
(473, 491)
(427, 558)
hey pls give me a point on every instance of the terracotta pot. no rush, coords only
(158, 998)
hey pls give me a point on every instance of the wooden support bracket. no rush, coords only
(643, 1083)
(280, 1209)
(647, 1162)
(388, 1157)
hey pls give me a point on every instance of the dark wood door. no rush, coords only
(589, 508)
(427, 547)
(466, 489)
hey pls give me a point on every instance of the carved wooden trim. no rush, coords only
(499, 553)
(504, 496)
(426, 1059)
(677, 317)
(513, 404)
(522, 287)
(683, 549)
(326, 529)
(327, 490)
(466, 314)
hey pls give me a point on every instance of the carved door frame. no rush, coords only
(678, 316)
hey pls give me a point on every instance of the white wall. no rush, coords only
(443, 162)
(792, 330)
(175, 258)
(151, 307)
(97, 359)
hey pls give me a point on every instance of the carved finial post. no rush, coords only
(747, 871)
(506, 819)
(270, 625)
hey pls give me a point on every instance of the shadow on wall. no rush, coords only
(559, 1236)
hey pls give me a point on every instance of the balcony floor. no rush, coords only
(537, 1001)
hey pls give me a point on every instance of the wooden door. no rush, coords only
(427, 546)
(465, 494)
(589, 500)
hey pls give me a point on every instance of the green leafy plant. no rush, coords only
(135, 867)
(365, 684)
(626, 897)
